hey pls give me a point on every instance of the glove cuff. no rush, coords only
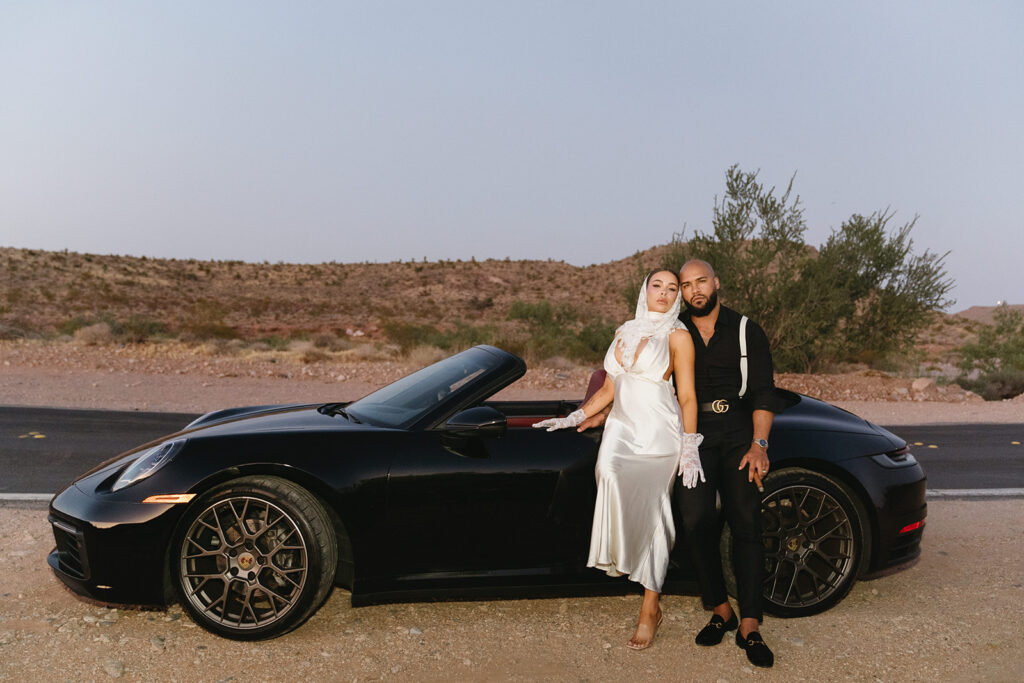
(693, 440)
(576, 417)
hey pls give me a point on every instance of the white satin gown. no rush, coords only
(633, 530)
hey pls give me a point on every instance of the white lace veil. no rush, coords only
(645, 325)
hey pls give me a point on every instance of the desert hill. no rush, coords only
(47, 293)
(984, 314)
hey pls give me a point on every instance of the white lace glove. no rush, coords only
(689, 459)
(573, 419)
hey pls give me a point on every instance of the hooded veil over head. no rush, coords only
(646, 324)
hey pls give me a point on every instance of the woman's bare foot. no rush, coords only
(646, 628)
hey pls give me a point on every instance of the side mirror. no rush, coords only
(478, 421)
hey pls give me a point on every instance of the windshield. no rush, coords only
(403, 402)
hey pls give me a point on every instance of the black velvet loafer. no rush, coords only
(757, 652)
(713, 633)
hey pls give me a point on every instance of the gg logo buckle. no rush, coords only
(720, 406)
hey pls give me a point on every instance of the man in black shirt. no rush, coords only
(736, 407)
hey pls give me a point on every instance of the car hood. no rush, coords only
(808, 413)
(272, 418)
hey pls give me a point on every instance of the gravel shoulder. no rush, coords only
(198, 379)
(946, 617)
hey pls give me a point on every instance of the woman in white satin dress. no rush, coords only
(649, 436)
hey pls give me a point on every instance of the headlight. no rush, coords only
(148, 463)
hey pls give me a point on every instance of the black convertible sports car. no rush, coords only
(249, 516)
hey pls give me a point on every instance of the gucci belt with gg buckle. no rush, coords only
(717, 406)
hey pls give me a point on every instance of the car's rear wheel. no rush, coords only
(815, 536)
(254, 557)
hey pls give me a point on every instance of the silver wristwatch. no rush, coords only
(762, 443)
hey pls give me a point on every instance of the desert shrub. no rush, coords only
(138, 328)
(72, 325)
(206, 321)
(865, 293)
(557, 331)
(368, 351)
(464, 336)
(423, 355)
(410, 335)
(313, 356)
(480, 303)
(274, 342)
(342, 344)
(592, 341)
(407, 336)
(996, 358)
(996, 385)
(220, 347)
(324, 341)
(93, 335)
(8, 331)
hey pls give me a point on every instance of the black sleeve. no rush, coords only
(761, 393)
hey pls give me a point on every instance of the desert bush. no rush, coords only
(206, 321)
(324, 341)
(865, 294)
(8, 331)
(423, 355)
(557, 331)
(220, 347)
(138, 328)
(996, 385)
(274, 342)
(313, 356)
(72, 325)
(410, 335)
(368, 351)
(94, 335)
(996, 358)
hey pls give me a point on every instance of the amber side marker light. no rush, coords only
(170, 498)
(911, 527)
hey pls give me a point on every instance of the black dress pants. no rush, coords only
(720, 456)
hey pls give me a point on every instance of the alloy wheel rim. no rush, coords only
(808, 545)
(243, 563)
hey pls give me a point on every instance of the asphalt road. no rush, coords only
(41, 449)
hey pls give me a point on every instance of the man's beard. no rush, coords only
(706, 309)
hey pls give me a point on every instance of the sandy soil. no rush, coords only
(198, 379)
(950, 616)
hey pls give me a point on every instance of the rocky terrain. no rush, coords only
(46, 293)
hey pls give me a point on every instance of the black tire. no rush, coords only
(815, 534)
(253, 558)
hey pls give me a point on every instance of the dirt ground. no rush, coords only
(197, 379)
(949, 616)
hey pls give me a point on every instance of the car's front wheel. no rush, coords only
(254, 557)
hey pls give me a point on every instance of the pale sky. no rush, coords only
(580, 131)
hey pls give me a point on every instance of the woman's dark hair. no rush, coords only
(661, 270)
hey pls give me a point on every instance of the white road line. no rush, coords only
(975, 493)
(12, 497)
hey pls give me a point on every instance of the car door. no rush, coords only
(520, 502)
